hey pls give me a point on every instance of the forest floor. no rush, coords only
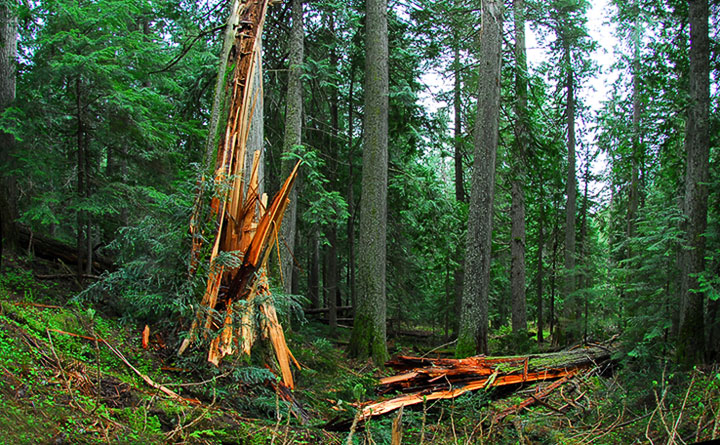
(59, 388)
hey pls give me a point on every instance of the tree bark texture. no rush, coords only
(369, 329)
(569, 283)
(8, 188)
(460, 194)
(314, 271)
(351, 196)
(517, 191)
(292, 137)
(540, 270)
(691, 342)
(473, 332)
(219, 98)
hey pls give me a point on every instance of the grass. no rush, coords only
(56, 387)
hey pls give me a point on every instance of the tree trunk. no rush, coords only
(691, 341)
(314, 271)
(583, 276)
(369, 330)
(331, 282)
(8, 188)
(460, 195)
(553, 287)
(81, 165)
(569, 285)
(293, 137)
(473, 332)
(540, 269)
(351, 195)
(219, 98)
(517, 192)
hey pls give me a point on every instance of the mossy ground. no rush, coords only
(55, 388)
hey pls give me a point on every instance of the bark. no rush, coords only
(314, 272)
(8, 188)
(517, 192)
(369, 330)
(517, 261)
(553, 287)
(583, 276)
(81, 165)
(459, 181)
(351, 195)
(256, 134)
(460, 194)
(540, 270)
(691, 341)
(569, 284)
(331, 281)
(473, 332)
(219, 97)
(293, 136)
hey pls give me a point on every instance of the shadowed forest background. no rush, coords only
(517, 220)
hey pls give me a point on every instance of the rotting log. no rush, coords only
(53, 249)
(425, 379)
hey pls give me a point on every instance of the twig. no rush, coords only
(615, 427)
(682, 409)
(145, 378)
(278, 416)
(439, 347)
(204, 382)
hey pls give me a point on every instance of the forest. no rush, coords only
(359, 221)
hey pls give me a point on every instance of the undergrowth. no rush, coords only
(60, 388)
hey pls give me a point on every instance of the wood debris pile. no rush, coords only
(426, 379)
(245, 225)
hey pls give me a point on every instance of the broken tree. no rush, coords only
(425, 379)
(245, 227)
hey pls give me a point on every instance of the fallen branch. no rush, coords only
(534, 398)
(150, 382)
(423, 379)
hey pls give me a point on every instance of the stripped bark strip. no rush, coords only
(245, 226)
(425, 379)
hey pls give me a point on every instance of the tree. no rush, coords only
(517, 209)
(691, 341)
(8, 49)
(473, 330)
(293, 135)
(369, 330)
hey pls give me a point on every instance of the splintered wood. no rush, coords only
(425, 379)
(245, 225)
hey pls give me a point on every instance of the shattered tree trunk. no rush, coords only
(246, 226)
(425, 379)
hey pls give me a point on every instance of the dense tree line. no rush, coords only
(481, 217)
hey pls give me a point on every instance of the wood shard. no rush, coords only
(426, 379)
(244, 224)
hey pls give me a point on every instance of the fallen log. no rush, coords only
(52, 249)
(424, 379)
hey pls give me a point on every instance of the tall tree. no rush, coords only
(570, 190)
(691, 339)
(473, 331)
(369, 330)
(293, 135)
(517, 208)
(8, 50)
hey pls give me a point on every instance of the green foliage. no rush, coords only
(151, 283)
